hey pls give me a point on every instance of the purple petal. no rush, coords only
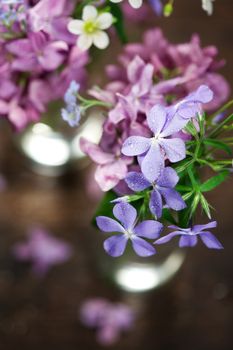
(115, 245)
(187, 241)
(203, 94)
(210, 240)
(174, 125)
(135, 145)
(108, 225)
(153, 163)
(189, 110)
(174, 149)
(136, 181)
(142, 248)
(168, 237)
(149, 229)
(172, 198)
(199, 228)
(168, 178)
(156, 118)
(126, 214)
(156, 204)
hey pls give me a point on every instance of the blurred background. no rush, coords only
(193, 311)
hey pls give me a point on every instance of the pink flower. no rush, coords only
(37, 53)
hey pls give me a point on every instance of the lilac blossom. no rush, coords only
(110, 319)
(129, 230)
(111, 167)
(43, 250)
(162, 188)
(189, 236)
(37, 52)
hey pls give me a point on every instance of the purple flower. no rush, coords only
(155, 149)
(162, 188)
(43, 250)
(164, 123)
(110, 319)
(189, 236)
(127, 214)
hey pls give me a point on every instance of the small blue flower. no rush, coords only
(71, 114)
(71, 93)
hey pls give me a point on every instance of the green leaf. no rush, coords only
(190, 128)
(205, 206)
(105, 207)
(183, 164)
(183, 188)
(214, 181)
(119, 24)
(194, 204)
(187, 195)
(218, 144)
(168, 216)
(219, 128)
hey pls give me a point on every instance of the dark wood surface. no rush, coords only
(193, 312)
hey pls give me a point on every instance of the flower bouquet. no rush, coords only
(167, 131)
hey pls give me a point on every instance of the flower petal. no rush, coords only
(100, 39)
(210, 240)
(126, 214)
(168, 178)
(84, 42)
(156, 204)
(104, 20)
(75, 26)
(107, 224)
(142, 247)
(174, 125)
(90, 13)
(136, 181)
(174, 149)
(187, 241)
(135, 145)
(149, 229)
(115, 245)
(156, 118)
(199, 228)
(172, 198)
(153, 163)
(168, 237)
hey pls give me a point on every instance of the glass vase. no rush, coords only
(132, 273)
(51, 145)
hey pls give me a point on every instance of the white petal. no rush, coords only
(104, 20)
(75, 26)
(89, 13)
(84, 42)
(100, 39)
(136, 3)
(116, 1)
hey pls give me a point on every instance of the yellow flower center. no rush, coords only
(90, 27)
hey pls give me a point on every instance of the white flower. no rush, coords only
(134, 3)
(207, 6)
(90, 28)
